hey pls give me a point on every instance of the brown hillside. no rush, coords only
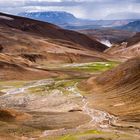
(118, 90)
(134, 40)
(13, 68)
(42, 42)
(50, 31)
(127, 50)
(39, 49)
(114, 36)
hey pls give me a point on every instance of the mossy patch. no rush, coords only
(5, 85)
(61, 85)
(12, 83)
(78, 134)
(92, 135)
(93, 67)
(92, 132)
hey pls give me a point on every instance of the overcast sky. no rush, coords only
(89, 9)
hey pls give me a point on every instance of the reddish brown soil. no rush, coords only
(12, 68)
(48, 30)
(134, 40)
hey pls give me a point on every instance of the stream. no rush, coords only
(98, 118)
(27, 86)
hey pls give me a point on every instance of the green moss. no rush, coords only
(92, 132)
(12, 83)
(99, 139)
(78, 134)
(37, 89)
(94, 67)
(67, 137)
(85, 67)
(60, 85)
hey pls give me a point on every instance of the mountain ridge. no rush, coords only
(69, 21)
(132, 26)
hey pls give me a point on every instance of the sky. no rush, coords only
(86, 9)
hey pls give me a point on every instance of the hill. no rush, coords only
(40, 43)
(117, 90)
(127, 50)
(112, 35)
(44, 29)
(15, 68)
(46, 33)
(134, 40)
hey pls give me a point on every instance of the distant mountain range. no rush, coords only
(132, 26)
(69, 21)
(51, 16)
(123, 15)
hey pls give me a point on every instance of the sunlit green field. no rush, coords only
(85, 67)
(92, 135)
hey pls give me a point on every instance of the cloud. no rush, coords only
(92, 9)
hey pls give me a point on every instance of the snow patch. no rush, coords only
(7, 18)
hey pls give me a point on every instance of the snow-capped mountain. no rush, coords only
(55, 17)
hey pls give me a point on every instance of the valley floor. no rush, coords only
(55, 109)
